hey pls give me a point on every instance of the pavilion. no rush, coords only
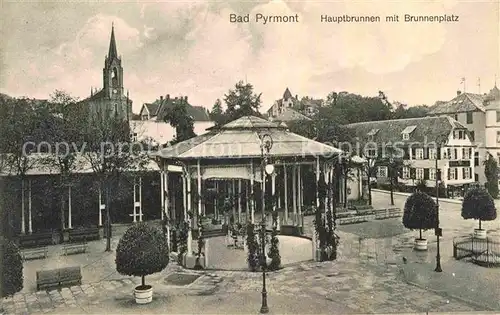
(232, 156)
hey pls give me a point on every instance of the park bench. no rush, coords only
(351, 220)
(80, 235)
(74, 248)
(34, 253)
(35, 240)
(58, 278)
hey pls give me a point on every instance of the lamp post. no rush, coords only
(266, 143)
(391, 177)
(438, 230)
(371, 164)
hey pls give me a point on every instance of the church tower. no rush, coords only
(113, 71)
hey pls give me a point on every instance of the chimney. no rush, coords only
(161, 97)
(459, 92)
(167, 97)
(186, 99)
(296, 96)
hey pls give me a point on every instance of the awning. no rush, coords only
(227, 172)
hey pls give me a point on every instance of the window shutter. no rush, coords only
(463, 172)
(412, 173)
(470, 172)
(426, 173)
(449, 174)
(426, 153)
(438, 153)
(413, 153)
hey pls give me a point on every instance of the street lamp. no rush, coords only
(391, 175)
(438, 230)
(371, 164)
(266, 143)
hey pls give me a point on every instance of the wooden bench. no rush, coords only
(58, 278)
(35, 239)
(74, 248)
(81, 235)
(34, 253)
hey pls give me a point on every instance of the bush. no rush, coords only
(142, 250)
(491, 172)
(253, 248)
(274, 251)
(420, 212)
(12, 278)
(479, 204)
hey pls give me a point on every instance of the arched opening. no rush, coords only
(114, 77)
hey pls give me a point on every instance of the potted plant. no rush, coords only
(420, 214)
(12, 277)
(478, 204)
(142, 250)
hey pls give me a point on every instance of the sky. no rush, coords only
(191, 48)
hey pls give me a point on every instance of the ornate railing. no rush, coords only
(484, 252)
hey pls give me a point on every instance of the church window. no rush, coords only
(114, 76)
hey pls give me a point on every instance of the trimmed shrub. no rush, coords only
(274, 251)
(142, 250)
(491, 172)
(478, 204)
(12, 278)
(420, 212)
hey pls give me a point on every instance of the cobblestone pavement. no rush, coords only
(334, 287)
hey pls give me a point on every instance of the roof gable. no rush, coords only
(465, 102)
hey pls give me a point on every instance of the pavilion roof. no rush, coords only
(240, 139)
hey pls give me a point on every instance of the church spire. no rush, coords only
(112, 44)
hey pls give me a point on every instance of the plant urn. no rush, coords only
(143, 294)
(420, 244)
(480, 234)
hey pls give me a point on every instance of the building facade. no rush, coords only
(421, 144)
(480, 114)
(111, 100)
(291, 108)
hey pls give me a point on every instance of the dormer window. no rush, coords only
(407, 131)
(459, 134)
(372, 133)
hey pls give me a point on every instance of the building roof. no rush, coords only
(465, 102)
(158, 108)
(287, 94)
(240, 139)
(290, 114)
(428, 129)
(112, 53)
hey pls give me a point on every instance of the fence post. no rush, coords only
(487, 252)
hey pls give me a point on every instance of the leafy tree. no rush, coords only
(351, 108)
(142, 250)
(491, 172)
(479, 205)
(242, 101)
(217, 113)
(12, 276)
(111, 153)
(420, 212)
(178, 117)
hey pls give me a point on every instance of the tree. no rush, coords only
(111, 153)
(142, 250)
(242, 101)
(351, 108)
(491, 172)
(394, 161)
(63, 133)
(12, 276)
(420, 212)
(178, 117)
(217, 113)
(478, 205)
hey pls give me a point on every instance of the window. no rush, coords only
(469, 117)
(498, 136)
(382, 171)
(432, 154)
(466, 153)
(420, 154)
(432, 174)
(498, 115)
(459, 134)
(466, 173)
(406, 172)
(452, 173)
(134, 137)
(476, 158)
(472, 136)
(406, 136)
(371, 153)
(419, 173)
(446, 153)
(455, 117)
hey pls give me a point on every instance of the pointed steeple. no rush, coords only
(112, 44)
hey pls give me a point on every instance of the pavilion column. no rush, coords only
(317, 181)
(273, 193)
(286, 192)
(189, 207)
(233, 198)
(166, 204)
(216, 201)
(247, 211)
(162, 192)
(198, 186)
(326, 172)
(102, 206)
(239, 201)
(294, 193)
(300, 193)
(30, 219)
(70, 223)
(184, 197)
(23, 201)
(252, 194)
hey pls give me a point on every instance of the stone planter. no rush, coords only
(420, 244)
(143, 294)
(480, 234)
(190, 261)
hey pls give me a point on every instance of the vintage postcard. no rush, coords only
(245, 157)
